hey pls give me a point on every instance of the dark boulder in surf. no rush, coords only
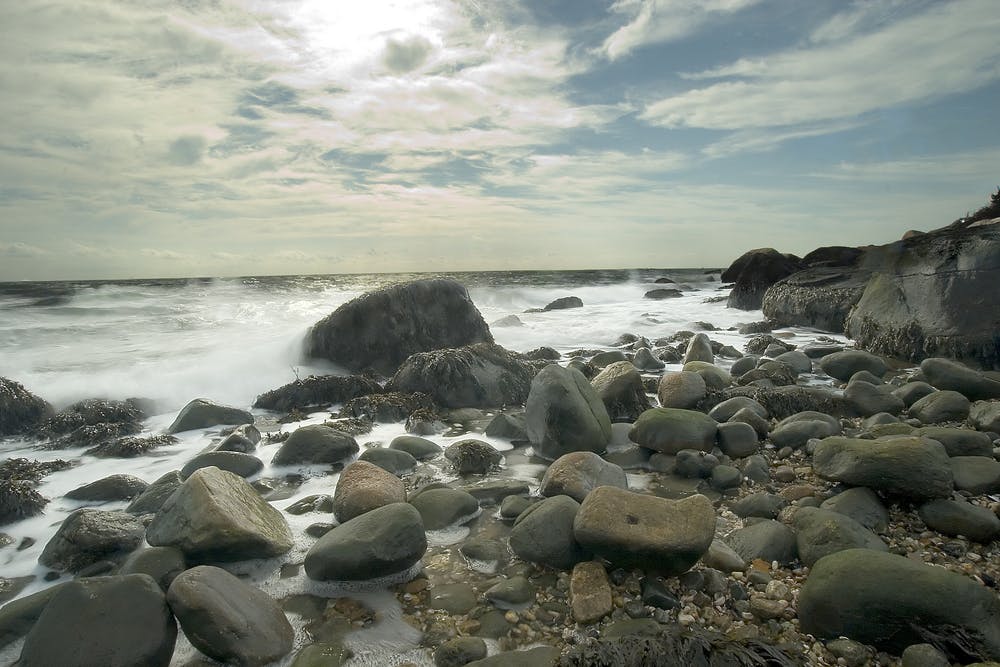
(20, 410)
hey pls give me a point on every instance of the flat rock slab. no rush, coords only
(228, 619)
(909, 467)
(637, 530)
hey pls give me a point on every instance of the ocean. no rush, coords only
(231, 339)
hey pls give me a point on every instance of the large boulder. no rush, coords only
(821, 532)
(578, 473)
(563, 414)
(682, 389)
(20, 410)
(363, 487)
(913, 602)
(753, 272)
(941, 406)
(382, 328)
(88, 535)
(818, 296)
(152, 499)
(669, 430)
(948, 374)
(316, 444)
(385, 541)
(216, 516)
(842, 365)
(543, 533)
(238, 463)
(317, 391)
(118, 621)
(910, 467)
(202, 413)
(621, 390)
(227, 619)
(482, 375)
(637, 530)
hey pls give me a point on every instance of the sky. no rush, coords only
(169, 138)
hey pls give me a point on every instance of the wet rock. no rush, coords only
(453, 598)
(578, 473)
(87, 536)
(906, 466)
(737, 440)
(941, 406)
(565, 414)
(959, 441)
(716, 379)
(419, 448)
(699, 348)
(796, 431)
(951, 375)
(911, 392)
(861, 504)
(663, 293)
(117, 621)
(722, 557)
(238, 463)
(316, 391)
(543, 534)
(590, 593)
(636, 530)
(866, 399)
(217, 516)
(975, 474)
(17, 617)
(744, 364)
(842, 365)
(956, 517)
(242, 439)
(620, 388)
(394, 461)
(512, 592)
(129, 447)
(683, 389)
(363, 487)
(820, 532)
(381, 542)
(645, 361)
(92, 421)
(694, 464)
(765, 540)
(473, 457)
(727, 409)
(753, 272)
(797, 360)
(765, 505)
(669, 430)
(382, 328)
(315, 444)
(563, 303)
(459, 651)
(985, 415)
(540, 656)
(19, 500)
(113, 487)
(152, 499)
(202, 413)
(163, 564)
(20, 410)
(440, 508)
(388, 407)
(747, 416)
(227, 619)
(508, 321)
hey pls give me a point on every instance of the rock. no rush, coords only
(820, 532)
(602, 359)
(244, 465)
(578, 473)
(564, 414)
(113, 487)
(481, 375)
(512, 592)
(202, 413)
(699, 348)
(959, 441)
(91, 422)
(764, 505)
(852, 653)
(753, 272)
(394, 461)
(473, 457)
(562, 303)
(117, 621)
(765, 540)
(543, 534)
(722, 557)
(441, 508)
(507, 425)
(914, 603)
(381, 329)
(152, 499)
(923, 655)
(20, 410)
(769, 374)
(744, 364)
(419, 448)
(737, 440)
(590, 593)
(975, 474)
(867, 399)
(759, 344)
(669, 430)
(227, 619)
(315, 444)
(645, 361)
(747, 416)
(766, 609)
(540, 656)
(316, 391)
(17, 617)
(725, 477)
(384, 541)
(861, 504)
(459, 651)
(865, 376)
(682, 389)
(512, 506)
(453, 598)
(955, 517)
(636, 530)
(363, 487)
(163, 564)
(317, 502)
(941, 406)
(725, 410)
(842, 365)
(796, 434)
(130, 447)
(663, 293)
(389, 406)
(492, 491)
(242, 439)
(508, 321)
(216, 516)
(910, 467)
(619, 387)
(985, 415)
(87, 536)
(694, 464)
(715, 378)
(947, 374)
(911, 392)
(818, 296)
(797, 360)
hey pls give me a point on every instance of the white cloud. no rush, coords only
(962, 167)
(657, 21)
(769, 139)
(950, 48)
(21, 250)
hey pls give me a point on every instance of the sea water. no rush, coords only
(231, 339)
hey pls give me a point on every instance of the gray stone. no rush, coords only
(578, 473)
(722, 557)
(161, 563)
(956, 517)
(512, 592)
(867, 399)
(381, 329)
(17, 617)
(602, 359)
(540, 656)
(440, 508)
(113, 487)
(737, 440)
(861, 504)
(797, 360)
(202, 413)
(923, 655)
(842, 365)
(865, 376)
(910, 467)
(315, 444)
(217, 516)
(683, 389)
(744, 364)
(764, 505)
(694, 464)
(975, 474)
(766, 540)
(637, 530)
(590, 593)
(725, 410)
(384, 541)
(959, 441)
(316, 391)
(363, 487)
(244, 465)
(620, 388)
(459, 651)
(564, 302)
(472, 457)
(564, 414)
(878, 419)
(796, 434)
(852, 653)
(912, 601)
(229, 620)
(156, 494)
(754, 272)
(716, 379)
(985, 415)
(543, 534)
(88, 536)
(820, 532)
(645, 361)
(119, 621)
(948, 374)
(699, 348)
(669, 430)
(941, 406)
(756, 469)
(911, 392)
(394, 461)
(753, 420)
(725, 477)
(456, 598)
(419, 448)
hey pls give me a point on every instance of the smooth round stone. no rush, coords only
(544, 534)
(88, 536)
(419, 448)
(315, 444)
(113, 487)
(955, 517)
(363, 487)
(681, 389)
(861, 504)
(766, 505)
(911, 392)
(694, 464)
(453, 598)
(161, 563)
(394, 461)
(725, 410)
(578, 473)
(318, 502)
(669, 430)
(976, 474)
(564, 414)
(842, 365)
(473, 457)
(941, 406)
(440, 508)
(797, 360)
(725, 477)
(238, 463)
(737, 440)
(459, 651)
(744, 364)
(821, 532)
(510, 592)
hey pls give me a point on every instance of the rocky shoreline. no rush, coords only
(780, 505)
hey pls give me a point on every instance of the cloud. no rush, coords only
(947, 49)
(159, 253)
(406, 53)
(186, 150)
(769, 139)
(960, 167)
(21, 250)
(657, 21)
